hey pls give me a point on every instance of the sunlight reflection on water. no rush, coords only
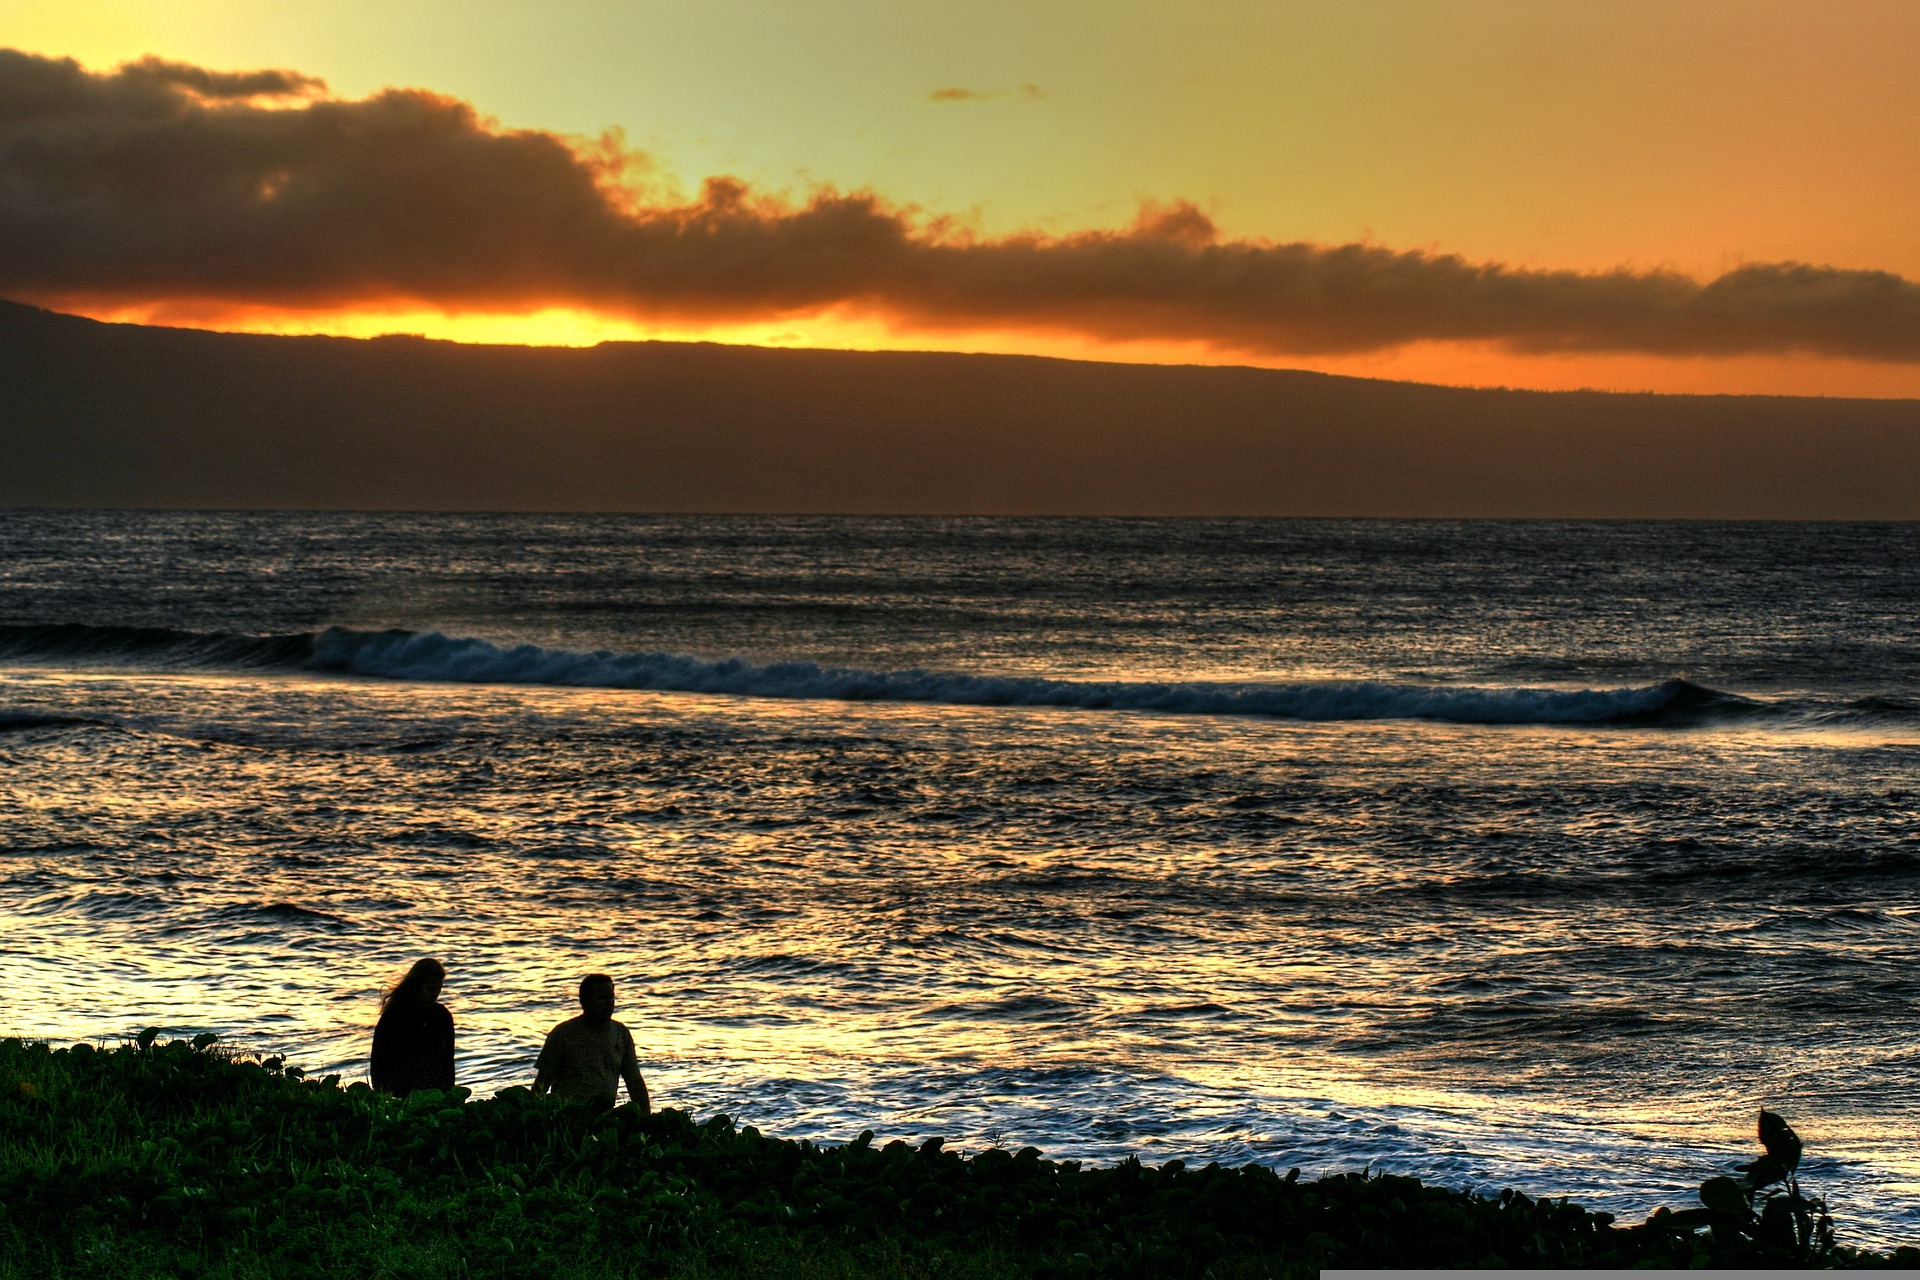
(1573, 959)
(1570, 959)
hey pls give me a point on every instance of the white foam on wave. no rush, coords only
(407, 655)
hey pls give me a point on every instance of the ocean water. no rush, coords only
(1523, 854)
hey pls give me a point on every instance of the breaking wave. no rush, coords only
(431, 656)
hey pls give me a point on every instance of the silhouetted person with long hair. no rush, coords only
(413, 1041)
(586, 1058)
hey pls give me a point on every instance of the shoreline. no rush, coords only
(181, 1158)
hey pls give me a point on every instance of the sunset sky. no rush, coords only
(1690, 195)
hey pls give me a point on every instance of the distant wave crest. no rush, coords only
(412, 655)
(431, 656)
(154, 646)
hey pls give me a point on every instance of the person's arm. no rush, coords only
(443, 1048)
(630, 1072)
(544, 1068)
(637, 1090)
(379, 1068)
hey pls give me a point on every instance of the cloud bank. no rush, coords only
(161, 181)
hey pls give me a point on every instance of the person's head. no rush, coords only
(596, 996)
(421, 985)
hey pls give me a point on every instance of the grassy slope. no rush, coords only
(181, 1161)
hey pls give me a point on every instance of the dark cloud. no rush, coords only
(166, 182)
(207, 84)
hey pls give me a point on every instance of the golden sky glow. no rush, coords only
(1463, 364)
(1691, 137)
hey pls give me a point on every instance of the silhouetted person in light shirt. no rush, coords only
(586, 1058)
(413, 1041)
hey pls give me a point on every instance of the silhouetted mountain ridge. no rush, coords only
(98, 414)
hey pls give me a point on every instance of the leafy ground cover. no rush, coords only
(177, 1159)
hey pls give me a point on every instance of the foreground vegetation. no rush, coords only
(179, 1160)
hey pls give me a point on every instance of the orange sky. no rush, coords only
(1457, 364)
(1689, 139)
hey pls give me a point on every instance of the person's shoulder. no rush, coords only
(399, 1018)
(562, 1029)
(620, 1030)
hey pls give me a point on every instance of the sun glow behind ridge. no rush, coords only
(415, 211)
(1463, 364)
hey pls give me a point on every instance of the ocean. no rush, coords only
(1503, 854)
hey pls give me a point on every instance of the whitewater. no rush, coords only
(1523, 854)
(430, 656)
